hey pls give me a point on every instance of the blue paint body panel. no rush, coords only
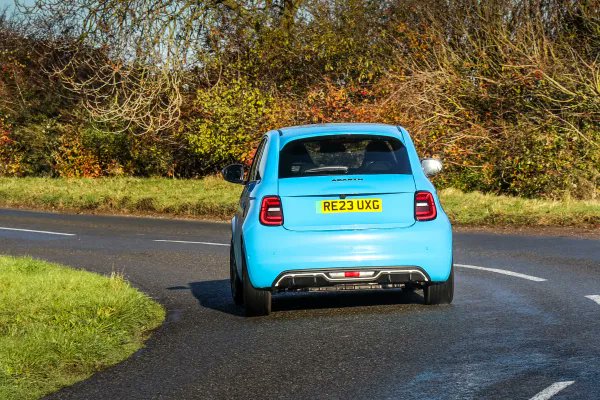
(309, 240)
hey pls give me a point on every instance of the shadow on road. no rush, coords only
(343, 299)
(216, 295)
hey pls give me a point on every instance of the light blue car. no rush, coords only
(338, 206)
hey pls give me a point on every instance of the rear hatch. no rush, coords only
(352, 181)
(369, 201)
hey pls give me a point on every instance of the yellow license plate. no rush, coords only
(349, 205)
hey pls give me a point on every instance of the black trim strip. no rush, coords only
(316, 278)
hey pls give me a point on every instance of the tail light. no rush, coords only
(271, 213)
(424, 206)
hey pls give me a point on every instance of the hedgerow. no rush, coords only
(506, 93)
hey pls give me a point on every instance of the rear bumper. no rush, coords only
(375, 278)
(273, 252)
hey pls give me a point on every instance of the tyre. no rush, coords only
(440, 293)
(256, 302)
(234, 279)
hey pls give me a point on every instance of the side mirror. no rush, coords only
(431, 166)
(234, 173)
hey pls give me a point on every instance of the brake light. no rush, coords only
(424, 206)
(271, 213)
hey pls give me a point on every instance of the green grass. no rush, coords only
(212, 198)
(207, 198)
(493, 210)
(59, 325)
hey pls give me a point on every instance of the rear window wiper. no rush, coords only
(328, 169)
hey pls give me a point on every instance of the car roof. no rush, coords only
(295, 132)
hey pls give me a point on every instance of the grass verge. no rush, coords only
(207, 198)
(475, 208)
(59, 325)
(213, 198)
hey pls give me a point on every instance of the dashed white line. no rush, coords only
(551, 390)
(35, 231)
(594, 297)
(502, 271)
(190, 242)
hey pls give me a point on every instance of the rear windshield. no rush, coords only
(343, 155)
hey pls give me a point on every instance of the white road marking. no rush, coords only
(551, 390)
(186, 241)
(594, 297)
(503, 271)
(34, 231)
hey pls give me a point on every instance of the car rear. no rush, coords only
(350, 211)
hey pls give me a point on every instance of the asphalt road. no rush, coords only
(505, 336)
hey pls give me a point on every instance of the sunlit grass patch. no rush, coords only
(213, 198)
(487, 209)
(59, 325)
(208, 198)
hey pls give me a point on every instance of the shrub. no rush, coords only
(27, 150)
(226, 121)
(72, 159)
(9, 158)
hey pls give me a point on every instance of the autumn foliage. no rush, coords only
(506, 93)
